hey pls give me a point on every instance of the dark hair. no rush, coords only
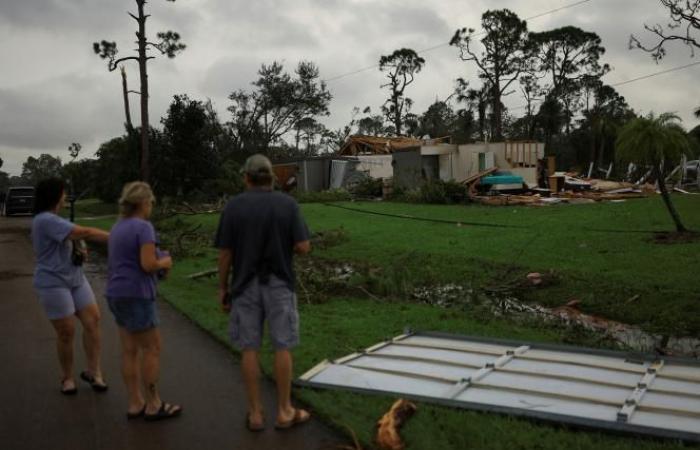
(47, 194)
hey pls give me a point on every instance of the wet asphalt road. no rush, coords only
(197, 372)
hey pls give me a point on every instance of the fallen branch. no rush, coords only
(205, 274)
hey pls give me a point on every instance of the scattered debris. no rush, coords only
(535, 278)
(388, 427)
(478, 176)
(632, 299)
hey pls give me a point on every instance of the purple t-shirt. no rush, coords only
(126, 278)
(54, 266)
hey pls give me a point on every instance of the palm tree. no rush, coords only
(656, 142)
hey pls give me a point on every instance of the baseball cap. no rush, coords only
(257, 164)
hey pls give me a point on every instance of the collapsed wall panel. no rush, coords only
(647, 395)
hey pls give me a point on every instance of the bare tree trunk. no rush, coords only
(482, 119)
(143, 59)
(127, 109)
(397, 116)
(497, 107)
(667, 200)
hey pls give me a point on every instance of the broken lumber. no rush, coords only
(478, 176)
(388, 437)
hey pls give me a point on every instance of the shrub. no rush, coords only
(443, 192)
(368, 187)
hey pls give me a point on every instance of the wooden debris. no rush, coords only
(376, 145)
(388, 437)
(478, 176)
(508, 200)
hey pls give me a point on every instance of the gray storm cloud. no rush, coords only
(54, 91)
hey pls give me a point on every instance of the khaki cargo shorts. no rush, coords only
(273, 302)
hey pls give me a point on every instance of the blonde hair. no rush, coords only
(133, 196)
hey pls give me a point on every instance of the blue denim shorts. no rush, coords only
(134, 314)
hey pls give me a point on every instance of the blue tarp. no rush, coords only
(502, 178)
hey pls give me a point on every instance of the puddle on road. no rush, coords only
(10, 275)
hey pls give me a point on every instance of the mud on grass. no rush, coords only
(675, 237)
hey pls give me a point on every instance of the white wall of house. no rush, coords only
(460, 162)
(509, 157)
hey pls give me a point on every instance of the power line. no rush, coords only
(634, 80)
(656, 74)
(445, 44)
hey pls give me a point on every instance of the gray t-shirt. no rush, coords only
(54, 266)
(261, 228)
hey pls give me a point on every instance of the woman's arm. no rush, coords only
(89, 233)
(150, 263)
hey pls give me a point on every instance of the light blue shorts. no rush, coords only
(61, 302)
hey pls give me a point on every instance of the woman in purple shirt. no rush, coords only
(134, 262)
(60, 283)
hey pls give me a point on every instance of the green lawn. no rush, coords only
(601, 254)
(344, 325)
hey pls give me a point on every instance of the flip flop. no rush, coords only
(299, 418)
(136, 415)
(90, 379)
(166, 411)
(254, 428)
(64, 391)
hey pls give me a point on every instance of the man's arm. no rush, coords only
(225, 260)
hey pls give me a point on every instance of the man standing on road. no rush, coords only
(259, 232)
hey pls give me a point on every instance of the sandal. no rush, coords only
(136, 415)
(254, 428)
(166, 411)
(94, 384)
(71, 391)
(300, 416)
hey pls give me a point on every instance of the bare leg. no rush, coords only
(90, 318)
(130, 371)
(65, 332)
(283, 378)
(251, 377)
(149, 342)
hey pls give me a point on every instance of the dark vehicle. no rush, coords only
(19, 200)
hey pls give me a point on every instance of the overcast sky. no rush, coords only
(55, 91)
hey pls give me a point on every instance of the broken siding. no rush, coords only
(376, 166)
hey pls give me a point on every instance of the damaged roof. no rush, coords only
(376, 145)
